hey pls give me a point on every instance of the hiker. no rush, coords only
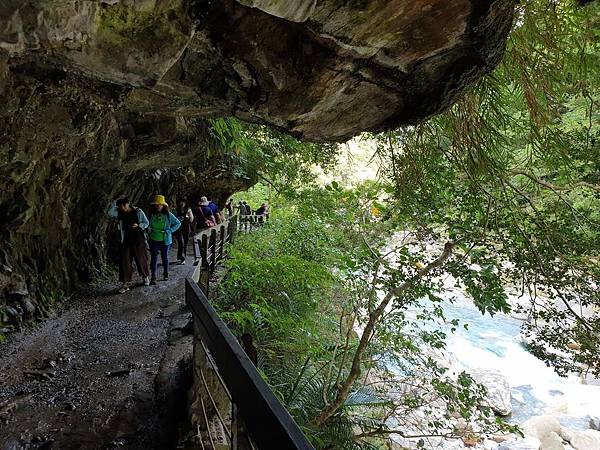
(215, 210)
(261, 212)
(247, 209)
(196, 225)
(206, 217)
(213, 206)
(132, 223)
(162, 225)
(229, 208)
(241, 209)
(182, 235)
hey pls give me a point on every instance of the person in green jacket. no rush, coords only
(162, 225)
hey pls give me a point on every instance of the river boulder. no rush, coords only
(528, 443)
(498, 390)
(552, 442)
(541, 427)
(582, 440)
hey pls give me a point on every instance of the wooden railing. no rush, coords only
(238, 409)
(254, 417)
(209, 247)
(248, 222)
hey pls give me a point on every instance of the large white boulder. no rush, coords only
(552, 442)
(498, 390)
(528, 443)
(582, 440)
(541, 426)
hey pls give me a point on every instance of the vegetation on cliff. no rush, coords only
(504, 192)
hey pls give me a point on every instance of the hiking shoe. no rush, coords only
(153, 282)
(165, 277)
(181, 262)
(123, 289)
(146, 281)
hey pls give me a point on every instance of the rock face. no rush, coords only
(322, 70)
(110, 96)
(66, 151)
(498, 390)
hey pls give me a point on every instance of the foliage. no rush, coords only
(257, 152)
(512, 173)
(501, 190)
(306, 286)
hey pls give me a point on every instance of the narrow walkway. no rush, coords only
(107, 372)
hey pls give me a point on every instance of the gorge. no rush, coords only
(417, 264)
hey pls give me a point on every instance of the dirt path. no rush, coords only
(108, 372)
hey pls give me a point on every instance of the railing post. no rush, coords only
(213, 246)
(233, 224)
(222, 237)
(204, 251)
(204, 271)
(196, 248)
(239, 434)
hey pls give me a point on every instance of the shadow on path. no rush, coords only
(110, 371)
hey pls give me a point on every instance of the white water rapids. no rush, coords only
(494, 343)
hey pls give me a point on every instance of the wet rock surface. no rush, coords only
(109, 371)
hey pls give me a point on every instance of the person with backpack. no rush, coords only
(203, 218)
(132, 225)
(182, 235)
(229, 208)
(247, 209)
(215, 211)
(162, 225)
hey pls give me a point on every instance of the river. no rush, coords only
(494, 343)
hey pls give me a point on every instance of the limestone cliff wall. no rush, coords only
(66, 151)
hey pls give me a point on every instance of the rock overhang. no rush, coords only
(322, 70)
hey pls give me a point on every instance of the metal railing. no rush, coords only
(238, 409)
(255, 419)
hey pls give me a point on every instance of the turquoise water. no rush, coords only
(494, 343)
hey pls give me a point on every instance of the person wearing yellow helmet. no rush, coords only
(162, 225)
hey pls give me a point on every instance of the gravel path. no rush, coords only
(94, 376)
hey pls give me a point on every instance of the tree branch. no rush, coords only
(369, 331)
(553, 187)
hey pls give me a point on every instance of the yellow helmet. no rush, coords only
(160, 200)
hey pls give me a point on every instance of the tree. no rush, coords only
(336, 330)
(513, 170)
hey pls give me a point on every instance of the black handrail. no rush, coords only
(269, 424)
